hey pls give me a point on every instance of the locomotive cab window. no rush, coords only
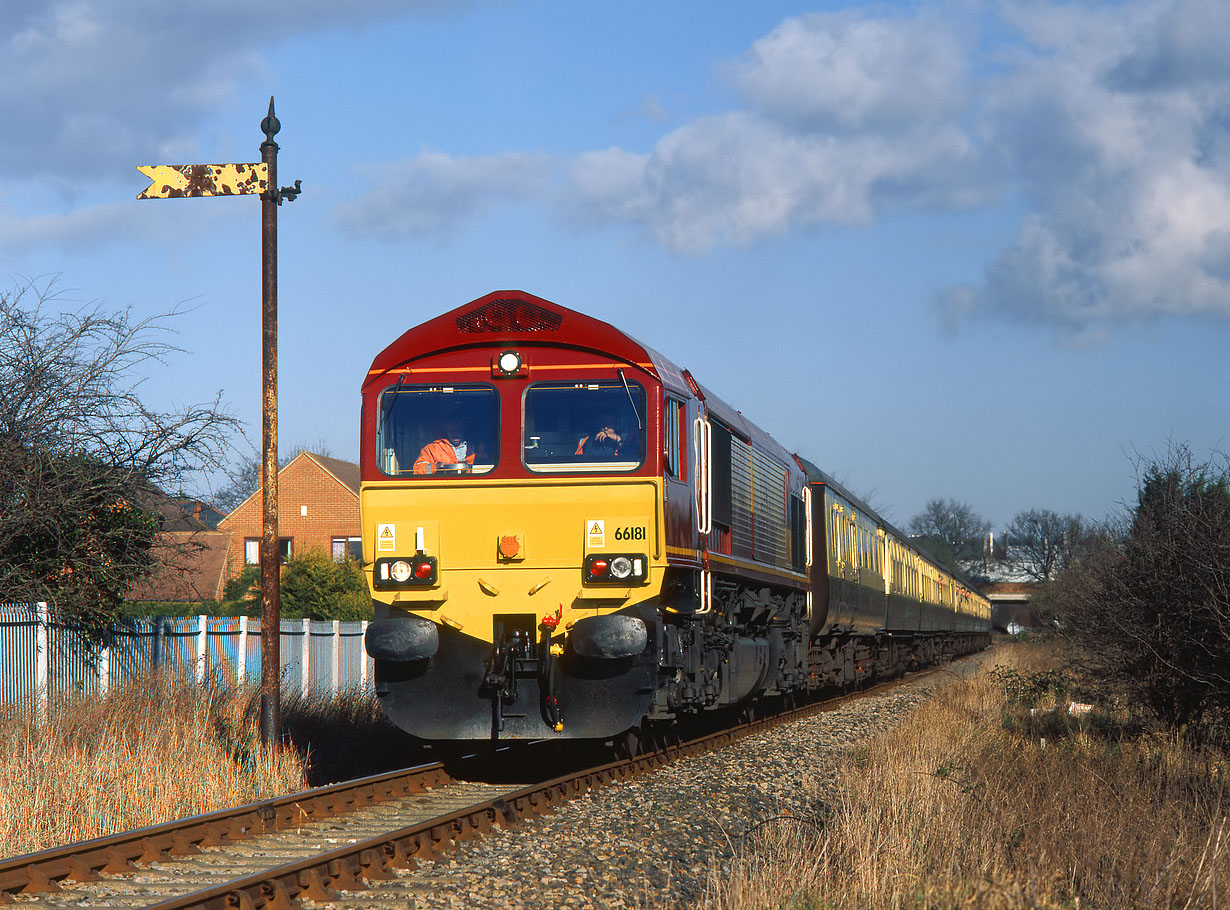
(438, 430)
(584, 426)
(672, 435)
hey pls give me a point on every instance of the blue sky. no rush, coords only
(970, 250)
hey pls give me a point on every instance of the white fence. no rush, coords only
(42, 657)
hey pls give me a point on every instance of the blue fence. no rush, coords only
(41, 657)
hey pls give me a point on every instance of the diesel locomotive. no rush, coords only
(567, 536)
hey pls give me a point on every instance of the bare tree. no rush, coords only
(1149, 606)
(952, 532)
(80, 450)
(1042, 543)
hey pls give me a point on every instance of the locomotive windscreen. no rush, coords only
(584, 426)
(439, 430)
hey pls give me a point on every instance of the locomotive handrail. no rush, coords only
(807, 541)
(807, 544)
(702, 444)
(706, 593)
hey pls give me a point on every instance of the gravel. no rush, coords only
(650, 842)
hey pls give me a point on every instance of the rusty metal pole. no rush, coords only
(271, 587)
(173, 181)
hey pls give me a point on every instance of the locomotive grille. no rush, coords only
(509, 314)
(759, 514)
(769, 486)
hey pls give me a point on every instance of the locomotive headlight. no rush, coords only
(400, 570)
(615, 568)
(507, 363)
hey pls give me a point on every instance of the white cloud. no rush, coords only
(737, 178)
(87, 87)
(846, 71)
(435, 193)
(1117, 130)
(847, 118)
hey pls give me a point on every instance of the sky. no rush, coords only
(969, 250)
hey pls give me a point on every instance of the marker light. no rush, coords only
(400, 570)
(508, 364)
(621, 567)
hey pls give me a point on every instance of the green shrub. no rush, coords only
(244, 588)
(316, 587)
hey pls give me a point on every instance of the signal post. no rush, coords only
(178, 181)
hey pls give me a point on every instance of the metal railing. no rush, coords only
(41, 657)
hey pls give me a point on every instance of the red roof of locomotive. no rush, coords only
(509, 317)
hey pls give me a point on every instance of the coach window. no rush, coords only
(438, 431)
(573, 427)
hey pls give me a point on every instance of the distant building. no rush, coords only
(1011, 603)
(318, 509)
(190, 554)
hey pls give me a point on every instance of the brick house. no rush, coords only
(318, 509)
(190, 554)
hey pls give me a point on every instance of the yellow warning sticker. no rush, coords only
(595, 533)
(386, 538)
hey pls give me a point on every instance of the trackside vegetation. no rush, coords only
(1147, 611)
(1089, 770)
(166, 747)
(992, 794)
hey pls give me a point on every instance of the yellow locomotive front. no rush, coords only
(513, 524)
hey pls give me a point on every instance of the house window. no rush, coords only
(347, 548)
(252, 550)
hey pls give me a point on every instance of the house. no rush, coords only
(190, 554)
(318, 508)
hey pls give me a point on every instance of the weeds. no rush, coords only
(166, 747)
(992, 794)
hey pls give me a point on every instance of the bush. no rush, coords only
(316, 587)
(313, 587)
(244, 588)
(1149, 608)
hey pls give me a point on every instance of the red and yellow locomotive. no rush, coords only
(567, 536)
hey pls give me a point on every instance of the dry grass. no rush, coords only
(159, 749)
(975, 802)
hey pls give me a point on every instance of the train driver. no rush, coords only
(451, 451)
(604, 442)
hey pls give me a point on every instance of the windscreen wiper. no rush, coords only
(631, 401)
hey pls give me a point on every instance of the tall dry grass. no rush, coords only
(161, 748)
(975, 801)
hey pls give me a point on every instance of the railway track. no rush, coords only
(312, 846)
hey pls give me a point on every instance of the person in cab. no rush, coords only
(604, 442)
(451, 452)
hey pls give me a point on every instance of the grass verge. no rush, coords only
(992, 795)
(167, 747)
